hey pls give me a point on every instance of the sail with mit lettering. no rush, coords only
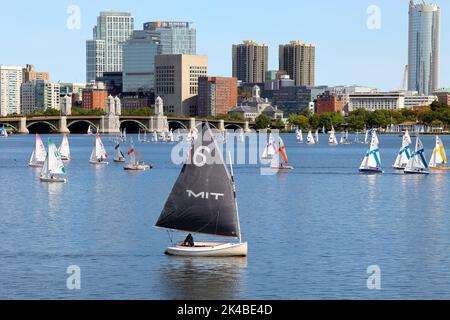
(203, 198)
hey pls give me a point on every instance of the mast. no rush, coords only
(235, 197)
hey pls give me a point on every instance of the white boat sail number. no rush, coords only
(205, 195)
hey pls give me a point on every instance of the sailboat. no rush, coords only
(275, 162)
(324, 130)
(119, 156)
(417, 163)
(310, 139)
(438, 157)
(299, 135)
(192, 135)
(3, 132)
(170, 136)
(372, 160)
(345, 139)
(53, 168)
(155, 137)
(133, 164)
(39, 154)
(269, 150)
(404, 154)
(124, 135)
(203, 201)
(98, 155)
(332, 138)
(64, 148)
(357, 140)
(316, 136)
(89, 131)
(366, 138)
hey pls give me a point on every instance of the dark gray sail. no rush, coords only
(202, 199)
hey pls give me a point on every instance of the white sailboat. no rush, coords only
(53, 169)
(98, 155)
(417, 163)
(310, 139)
(269, 150)
(119, 156)
(324, 130)
(332, 140)
(155, 137)
(64, 148)
(89, 131)
(316, 136)
(39, 154)
(192, 135)
(133, 164)
(404, 154)
(366, 138)
(170, 136)
(275, 163)
(345, 139)
(438, 157)
(372, 160)
(299, 135)
(3, 132)
(203, 201)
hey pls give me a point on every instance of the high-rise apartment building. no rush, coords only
(424, 47)
(216, 95)
(177, 81)
(104, 51)
(298, 60)
(28, 74)
(139, 62)
(175, 37)
(10, 82)
(250, 61)
(39, 95)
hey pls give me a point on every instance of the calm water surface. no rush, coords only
(312, 232)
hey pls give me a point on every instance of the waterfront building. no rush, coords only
(250, 61)
(177, 81)
(74, 91)
(29, 73)
(329, 102)
(10, 82)
(113, 82)
(253, 107)
(104, 51)
(139, 62)
(94, 96)
(415, 100)
(216, 95)
(175, 37)
(39, 95)
(298, 60)
(443, 95)
(424, 47)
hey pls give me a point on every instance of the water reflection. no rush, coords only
(216, 279)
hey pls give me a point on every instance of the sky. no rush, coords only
(347, 51)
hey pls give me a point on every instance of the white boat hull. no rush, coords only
(137, 168)
(208, 249)
(417, 171)
(101, 163)
(36, 164)
(53, 179)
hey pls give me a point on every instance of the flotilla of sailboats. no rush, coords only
(203, 201)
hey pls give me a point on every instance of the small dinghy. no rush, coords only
(310, 139)
(299, 135)
(39, 154)
(417, 164)
(269, 150)
(203, 201)
(275, 162)
(404, 154)
(332, 140)
(438, 157)
(134, 164)
(372, 160)
(64, 149)
(98, 155)
(53, 169)
(119, 156)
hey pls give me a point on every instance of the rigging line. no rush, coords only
(170, 236)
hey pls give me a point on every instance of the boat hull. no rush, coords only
(417, 171)
(398, 168)
(284, 168)
(53, 179)
(440, 168)
(137, 168)
(36, 165)
(208, 249)
(370, 171)
(97, 163)
(120, 160)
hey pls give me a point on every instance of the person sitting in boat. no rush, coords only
(189, 242)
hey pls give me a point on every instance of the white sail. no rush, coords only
(417, 159)
(299, 135)
(55, 163)
(155, 137)
(310, 139)
(131, 157)
(89, 131)
(316, 137)
(366, 139)
(332, 138)
(438, 156)
(64, 148)
(372, 159)
(269, 150)
(98, 152)
(39, 154)
(405, 152)
(171, 137)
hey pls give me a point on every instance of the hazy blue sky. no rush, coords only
(347, 51)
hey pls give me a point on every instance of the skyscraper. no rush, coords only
(250, 61)
(139, 62)
(298, 60)
(10, 82)
(424, 46)
(175, 37)
(104, 51)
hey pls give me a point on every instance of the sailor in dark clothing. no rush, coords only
(189, 242)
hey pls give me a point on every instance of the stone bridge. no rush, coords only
(110, 124)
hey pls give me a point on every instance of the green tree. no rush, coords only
(263, 122)
(299, 121)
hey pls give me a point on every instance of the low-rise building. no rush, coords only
(443, 95)
(216, 95)
(94, 96)
(329, 102)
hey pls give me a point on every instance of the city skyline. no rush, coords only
(348, 52)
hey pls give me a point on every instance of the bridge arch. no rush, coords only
(8, 125)
(233, 126)
(82, 129)
(175, 125)
(41, 127)
(135, 127)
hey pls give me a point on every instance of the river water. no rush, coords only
(312, 232)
